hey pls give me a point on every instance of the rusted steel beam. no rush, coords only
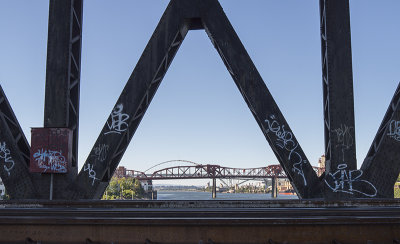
(337, 82)
(381, 166)
(63, 79)
(14, 154)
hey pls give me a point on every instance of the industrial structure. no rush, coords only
(28, 169)
(213, 172)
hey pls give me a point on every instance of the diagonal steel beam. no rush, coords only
(14, 154)
(337, 82)
(133, 102)
(260, 101)
(381, 166)
(63, 79)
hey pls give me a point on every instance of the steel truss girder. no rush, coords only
(14, 154)
(179, 17)
(63, 77)
(64, 67)
(337, 76)
(381, 166)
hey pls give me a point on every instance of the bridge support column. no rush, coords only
(274, 189)
(214, 188)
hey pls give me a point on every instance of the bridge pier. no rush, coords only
(274, 189)
(214, 188)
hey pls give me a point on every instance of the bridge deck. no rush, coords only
(275, 221)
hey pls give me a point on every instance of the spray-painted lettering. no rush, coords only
(50, 160)
(100, 152)
(394, 130)
(349, 181)
(91, 172)
(6, 156)
(344, 138)
(285, 140)
(118, 122)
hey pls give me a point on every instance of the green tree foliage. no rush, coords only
(124, 189)
(397, 188)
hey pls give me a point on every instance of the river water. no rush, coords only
(188, 195)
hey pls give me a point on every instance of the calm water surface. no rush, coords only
(187, 195)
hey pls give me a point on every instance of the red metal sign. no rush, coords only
(51, 150)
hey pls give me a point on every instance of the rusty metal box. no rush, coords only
(51, 150)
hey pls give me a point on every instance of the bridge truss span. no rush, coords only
(208, 171)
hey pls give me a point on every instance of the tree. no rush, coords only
(123, 188)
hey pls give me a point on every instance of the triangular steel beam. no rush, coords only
(180, 17)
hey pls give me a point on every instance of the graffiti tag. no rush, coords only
(118, 121)
(286, 141)
(5, 155)
(91, 172)
(50, 160)
(349, 181)
(100, 152)
(344, 138)
(394, 130)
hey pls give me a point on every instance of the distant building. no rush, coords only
(122, 172)
(321, 165)
(284, 185)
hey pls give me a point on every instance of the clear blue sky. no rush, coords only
(198, 113)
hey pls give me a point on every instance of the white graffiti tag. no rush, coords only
(118, 121)
(285, 140)
(5, 155)
(394, 130)
(349, 181)
(344, 138)
(50, 160)
(100, 152)
(92, 173)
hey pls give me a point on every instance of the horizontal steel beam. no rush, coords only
(243, 222)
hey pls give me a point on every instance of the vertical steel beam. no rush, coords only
(260, 101)
(337, 76)
(274, 187)
(214, 188)
(381, 167)
(14, 154)
(63, 76)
